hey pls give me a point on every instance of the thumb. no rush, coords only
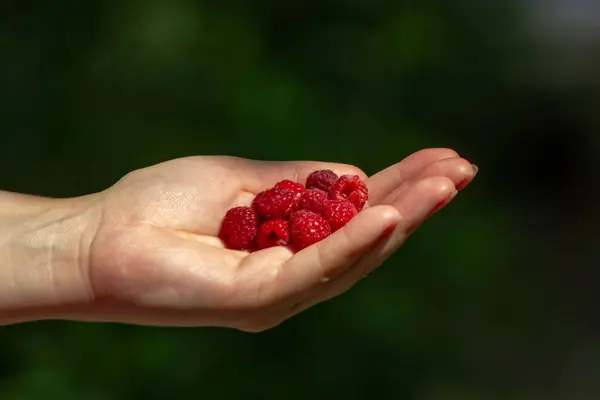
(415, 208)
(325, 260)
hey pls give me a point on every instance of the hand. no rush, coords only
(156, 258)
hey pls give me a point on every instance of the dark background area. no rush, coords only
(494, 298)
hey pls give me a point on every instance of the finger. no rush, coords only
(418, 205)
(389, 179)
(458, 170)
(415, 208)
(267, 173)
(323, 261)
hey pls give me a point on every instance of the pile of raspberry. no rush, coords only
(295, 215)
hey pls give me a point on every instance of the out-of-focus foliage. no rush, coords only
(492, 299)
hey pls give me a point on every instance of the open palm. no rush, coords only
(156, 258)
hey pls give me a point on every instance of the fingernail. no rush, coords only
(388, 231)
(444, 203)
(463, 184)
(466, 182)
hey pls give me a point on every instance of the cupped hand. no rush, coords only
(156, 258)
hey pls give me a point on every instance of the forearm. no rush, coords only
(43, 255)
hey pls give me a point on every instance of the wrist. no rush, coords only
(44, 248)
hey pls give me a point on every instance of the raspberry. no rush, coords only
(351, 188)
(322, 179)
(275, 203)
(295, 187)
(338, 213)
(239, 228)
(313, 200)
(274, 232)
(300, 214)
(307, 228)
(290, 213)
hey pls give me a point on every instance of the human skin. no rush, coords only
(145, 251)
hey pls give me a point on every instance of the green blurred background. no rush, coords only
(495, 298)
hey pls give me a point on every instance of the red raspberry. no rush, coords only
(307, 228)
(300, 214)
(338, 213)
(275, 203)
(274, 232)
(314, 200)
(351, 188)
(295, 187)
(239, 228)
(322, 179)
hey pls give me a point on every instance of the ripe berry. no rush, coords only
(307, 228)
(351, 188)
(275, 203)
(295, 187)
(322, 179)
(314, 200)
(239, 228)
(338, 213)
(274, 232)
(300, 214)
